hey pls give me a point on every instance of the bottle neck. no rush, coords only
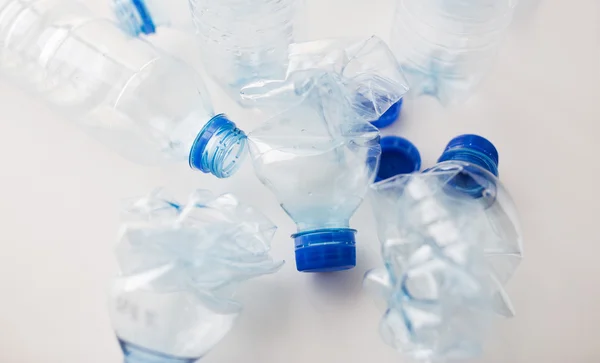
(219, 149)
(472, 157)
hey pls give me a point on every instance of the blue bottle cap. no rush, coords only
(325, 250)
(473, 149)
(389, 116)
(398, 156)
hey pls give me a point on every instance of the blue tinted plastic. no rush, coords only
(318, 157)
(134, 17)
(398, 156)
(144, 104)
(136, 354)
(447, 47)
(245, 41)
(372, 79)
(325, 250)
(450, 242)
(179, 267)
(147, 26)
(223, 158)
(389, 117)
(472, 150)
(137, 17)
(320, 152)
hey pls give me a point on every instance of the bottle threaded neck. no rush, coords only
(473, 149)
(219, 149)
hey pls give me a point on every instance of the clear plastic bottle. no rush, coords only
(180, 265)
(447, 46)
(318, 157)
(473, 162)
(242, 41)
(450, 241)
(246, 41)
(146, 105)
(319, 152)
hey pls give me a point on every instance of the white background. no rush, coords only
(61, 191)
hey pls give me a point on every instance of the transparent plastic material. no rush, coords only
(148, 106)
(138, 17)
(447, 47)
(246, 41)
(241, 41)
(318, 157)
(318, 153)
(450, 241)
(179, 267)
(368, 72)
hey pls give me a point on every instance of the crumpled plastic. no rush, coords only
(180, 264)
(210, 243)
(443, 276)
(318, 156)
(366, 70)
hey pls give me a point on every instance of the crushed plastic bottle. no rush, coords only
(450, 241)
(372, 79)
(179, 267)
(148, 106)
(319, 158)
(447, 47)
(319, 154)
(242, 41)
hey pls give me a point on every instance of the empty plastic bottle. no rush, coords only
(146, 105)
(242, 41)
(319, 152)
(318, 157)
(246, 41)
(179, 268)
(450, 241)
(447, 46)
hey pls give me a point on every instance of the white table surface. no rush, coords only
(61, 192)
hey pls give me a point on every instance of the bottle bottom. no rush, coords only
(325, 250)
(137, 354)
